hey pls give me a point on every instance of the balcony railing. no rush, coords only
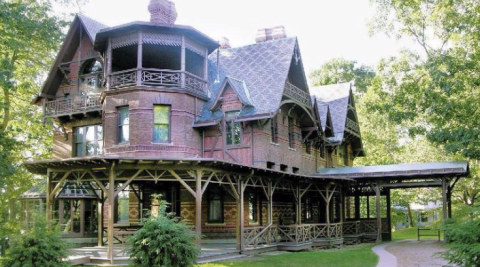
(73, 105)
(158, 78)
(297, 94)
(353, 126)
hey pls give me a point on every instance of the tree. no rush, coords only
(339, 70)
(30, 34)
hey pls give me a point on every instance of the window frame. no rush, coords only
(212, 195)
(120, 125)
(253, 216)
(274, 129)
(169, 124)
(84, 141)
(231, 121)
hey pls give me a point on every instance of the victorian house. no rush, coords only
(232, 137)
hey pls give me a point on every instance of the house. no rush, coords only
(232, 137)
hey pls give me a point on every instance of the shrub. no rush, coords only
(464, 242)
(37, 247)
(163, 241)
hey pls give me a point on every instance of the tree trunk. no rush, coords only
(410, 216)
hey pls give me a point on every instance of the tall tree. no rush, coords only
(30, 34)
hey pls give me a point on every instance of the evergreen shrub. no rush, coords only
(463, 238)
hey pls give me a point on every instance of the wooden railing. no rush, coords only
(158, 78)
(353, 126)
(296, 234)
(76, 104)
(352, 228)
(297, 94)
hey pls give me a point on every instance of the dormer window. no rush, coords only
(234, 129)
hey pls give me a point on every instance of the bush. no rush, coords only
(163, 241)
(38, 247)
(463, 237)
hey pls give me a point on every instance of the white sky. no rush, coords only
(325, 28)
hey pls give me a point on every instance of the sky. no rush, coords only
(325, 29)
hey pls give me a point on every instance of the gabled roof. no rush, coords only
(336, 97)
(263, 68)
(67, 52)
(240, 89)
(92, 27)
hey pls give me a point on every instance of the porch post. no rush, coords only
(111, 210)
(449, 200)
(342, 204)
(379, 215)
(299, 205)
(109, 63)
(327, 193)
(269, 209)
(389, 214)
(198, 207)
(241, 213)
(357, 205)
(49, 204)
(100, 220)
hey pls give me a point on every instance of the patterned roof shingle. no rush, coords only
(336, 97)
(91, 26)
(262, 67)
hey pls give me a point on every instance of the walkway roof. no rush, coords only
(396, 171)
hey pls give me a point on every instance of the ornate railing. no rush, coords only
(352, 228)
(297, 94)
(353, 126)
(158, 78)
(76, 104)
(255, 236)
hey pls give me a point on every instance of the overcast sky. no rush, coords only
(325, 28)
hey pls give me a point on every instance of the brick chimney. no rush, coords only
(224, 43)
(268, 34)
(162, 11)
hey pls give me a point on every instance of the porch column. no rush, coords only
(269, 209)
(100, 220)
(379, 215)
(298, 207)
(342, 204)
(111, 210)
(389, 214)
(357, 205)
(241, 214)
(49, 201)
(139, 58)
(449, 201)
(198, 207)
(109, 63)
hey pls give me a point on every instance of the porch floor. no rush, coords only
(211, 250)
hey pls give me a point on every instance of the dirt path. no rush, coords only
(412, 253)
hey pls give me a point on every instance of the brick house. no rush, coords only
(234, 135)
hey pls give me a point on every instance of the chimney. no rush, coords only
(162, 11)
(224, 43)
(268, 34)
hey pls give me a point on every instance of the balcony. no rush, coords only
(353, 127)
(297, 94)
(159, 78)
(72, 106)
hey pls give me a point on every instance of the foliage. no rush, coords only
(339, 70)
(350, 256)
(411, 233)
(464, 241)
(39, 246)
(30, 34)
(164, 240)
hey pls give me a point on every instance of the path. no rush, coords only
(410, 253)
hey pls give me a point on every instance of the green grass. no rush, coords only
(411, 233)
(351, 256)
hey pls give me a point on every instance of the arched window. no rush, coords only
(91, 66)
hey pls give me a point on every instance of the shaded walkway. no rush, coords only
(411, 253)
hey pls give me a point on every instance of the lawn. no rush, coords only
(411, 233)
(351, 256)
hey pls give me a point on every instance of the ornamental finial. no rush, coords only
(162, 11)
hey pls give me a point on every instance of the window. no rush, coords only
(161, 124)
(295, 169)
(322, 150)
(234, 129)
(123, 206)
(283, 168)
(92, 66)
(291, 132)
(308, 148)
(253, 207)
(270, 165)
(274, 130)
(308, 209)
(123, 125)
(88, 140)
(215, 206)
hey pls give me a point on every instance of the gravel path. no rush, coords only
(412, 253)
